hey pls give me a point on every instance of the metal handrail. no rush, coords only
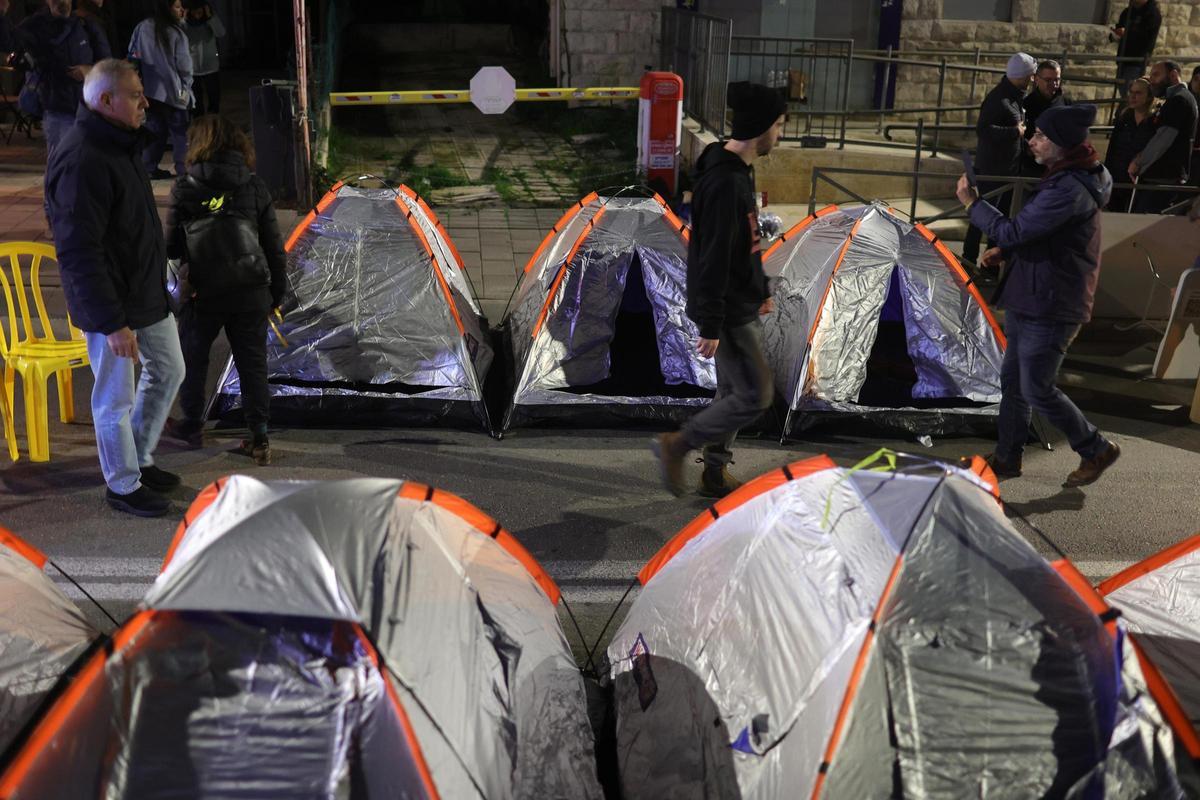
(1006, 183)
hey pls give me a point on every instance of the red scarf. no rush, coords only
(1081, 156)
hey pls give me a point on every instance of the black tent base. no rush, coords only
(358, 411)
(600, 415)
(892, 422)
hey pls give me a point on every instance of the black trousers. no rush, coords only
(970, 248)
(207, 91)
(247, 335)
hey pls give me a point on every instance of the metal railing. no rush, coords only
(813, 75)
(697, 48)
(1183, 196)
(817, 76)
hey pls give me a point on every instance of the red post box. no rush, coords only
(660, 118)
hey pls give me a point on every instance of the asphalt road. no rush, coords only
(587, 503)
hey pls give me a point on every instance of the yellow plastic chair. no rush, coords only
(35, 356)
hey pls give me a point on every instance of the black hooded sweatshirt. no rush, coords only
(234, 275)
(726, 283)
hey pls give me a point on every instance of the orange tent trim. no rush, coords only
(958, 270)
(473, 516)
(1148, 565)
(747, 491)
(562, 270)
(558, 226)
(1160, 690)
(24, 548)
(860, 665)
(299, 230)
(49, 726)
(405, 723)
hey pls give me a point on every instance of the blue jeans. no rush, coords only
(1035, 352)
(55, 125)
(128, 422)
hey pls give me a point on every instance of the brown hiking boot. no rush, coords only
(1090, 469)
(260, 451)
(1003, 469)
(180, 431)
(669, 449)
(716, 482)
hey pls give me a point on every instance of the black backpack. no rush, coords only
(223, 251)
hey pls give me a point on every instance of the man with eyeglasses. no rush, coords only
(1047, 93)
(1052, 248)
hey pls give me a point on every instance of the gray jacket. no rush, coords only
(166, 75)
(202, 41)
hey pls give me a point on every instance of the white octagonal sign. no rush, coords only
(493, 90)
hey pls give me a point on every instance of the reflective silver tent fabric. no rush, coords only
(830, 282)
(571, 346)
(42, 633)
(1162, 607)
(472, 642)
(367, 317)
(987, 676)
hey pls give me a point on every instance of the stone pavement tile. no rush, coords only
(548, 216)
(493, 218)
(498, 266)
(471, 260)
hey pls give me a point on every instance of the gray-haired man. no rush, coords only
(112, 257)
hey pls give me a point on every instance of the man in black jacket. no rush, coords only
(727, 292)
(1167, 157)
(112, 258)
(1001, 130)
(63, 48)
(1047, 93)
(1136, 33)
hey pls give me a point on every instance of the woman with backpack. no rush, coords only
(160, 47)
(221, 223)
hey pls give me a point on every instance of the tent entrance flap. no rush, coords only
(634, 358)
(894, 375)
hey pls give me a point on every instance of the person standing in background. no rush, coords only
(1001, 131)
(160, 46)
(1047, 93)
(63, 48)
(204, 28)
(1166, 159)
(1132, 131)
(1136, 33)
(93, 10)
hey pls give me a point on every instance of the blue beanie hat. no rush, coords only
(1067, 126)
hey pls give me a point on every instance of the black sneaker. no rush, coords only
(159, 479)
(144, 502)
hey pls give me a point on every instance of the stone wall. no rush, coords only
(609, 42)
(923, 28)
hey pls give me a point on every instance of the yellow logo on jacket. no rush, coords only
(215, 204)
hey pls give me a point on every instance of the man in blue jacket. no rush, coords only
(727, 292)
(1052, 248)
(113, 261)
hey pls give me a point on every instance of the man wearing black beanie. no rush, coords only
(727, 292)
(1052, 249)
